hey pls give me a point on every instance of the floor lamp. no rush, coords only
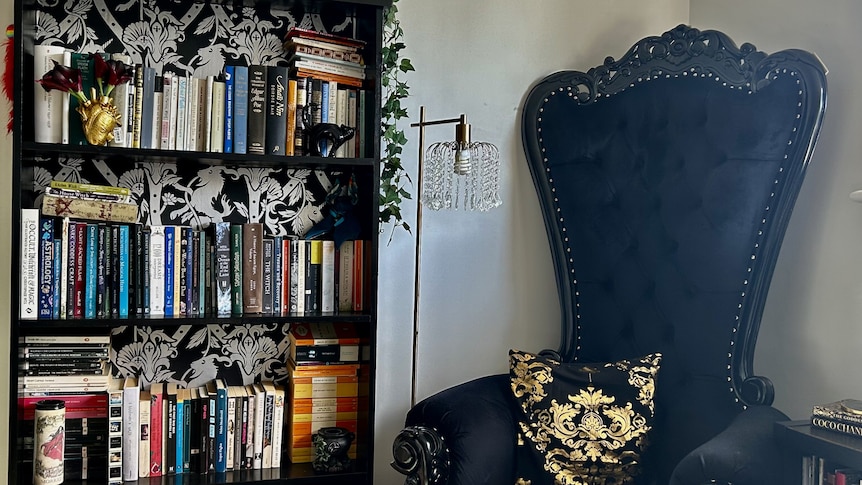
(461, 174)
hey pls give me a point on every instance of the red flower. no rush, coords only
(62, 78)
(111, 73)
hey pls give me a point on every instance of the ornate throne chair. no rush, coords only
(666, 180)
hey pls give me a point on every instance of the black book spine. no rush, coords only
(145, 272)
(115, 271)
(276, 110)
(101, 270)
(139, 270)
(184, 272)
(257, 81)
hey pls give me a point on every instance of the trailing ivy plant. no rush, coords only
(393, 177)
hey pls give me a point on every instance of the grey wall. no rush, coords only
(812, 324)
(486, 280)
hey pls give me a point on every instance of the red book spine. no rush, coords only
(285, 276)
(156, 428)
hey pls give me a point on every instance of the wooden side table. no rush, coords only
(799, 438)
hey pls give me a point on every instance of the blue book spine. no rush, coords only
(228, 108)
(187, 436)
(221, 429)
(46, 267)
(202, 265)
(240, 109)
(124, 271)
(324, 113)
(92, 248)
(276, 275)
(169, 271)
(55, 310)
(145, 260)
(178, 457)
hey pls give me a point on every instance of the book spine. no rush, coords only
(269, 407)
(138, 107)
(115, 435)
(206, 113)
(240, 109)
(228, 108)
(204, 281)
(251, 415)
(166, 130)
(115, 271)
(252, 267)
(131, 430)
(169, 270)
(193, 114)
(58, 270)
(277, 425)
(182, 106)
(80, 267)
(835, 425)
(256, 133)
(327, 276)
(157, 270)
(188, 271)
(157, 101)
(314, 260)
(170, 449)
(89, 209)
(139, 269)
(236, 262)
(47, 105)
(178, 455)
(147, 105)
(217, 116)
(325, 112)
(230, 438)
(29, 251)
(223, 271)
(276, 274)
(260, 416)
(173, 112)
(146, 274)
(267, 286)
(345, 277)
(144, 422)
(123, 303)
(211, 431)
(285, 276)
(837, 415)
(156, 431)
(221, 428)
(276, 110)
(299, 142)
(187, 419)
(91, 270)
(46, 268)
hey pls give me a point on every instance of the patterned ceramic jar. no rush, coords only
(50, 441)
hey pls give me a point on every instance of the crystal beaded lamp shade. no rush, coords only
(462, 175)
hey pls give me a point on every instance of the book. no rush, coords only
(170, 268)
(256, 132)
(221, 425)
(115, 431)
(846, 410)
(314, 261)
(78, 270)
(297, 277)
(157, 391)
(259, 417)
(217, 116)
(47, 105)
(290, 128)
(324, 50)
(95, 210)
(231, 427)
(91, 270)
(228, 108)
(157, 101)
(252, 267)
(91, 189)
(144, 457)
(268, 423)
(851, 429)
(193, 114)
(178, 456)
(169, 449)
(29, 275)
(277, 243)
(328, 67)
(267, 285)
(285, 276)
(250, 415)
(331, 40)
(278, 409)
(327, 277)
(148, 92)
(63, 267)
(212, 412)
(301, 100)
(124, 267)
(157, 270)
(345, 274)
(168, 106)
(236, 266)
(240, 109)
(223, 271)
(276, 110)
(195, 437)
(182, 112)
(131, 428)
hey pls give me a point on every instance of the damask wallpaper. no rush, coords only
(194, 39)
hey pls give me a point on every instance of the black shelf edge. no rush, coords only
(47, 324)
(806, 439)
(156, 155)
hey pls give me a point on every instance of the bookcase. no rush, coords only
(287, 195)
(800, 439)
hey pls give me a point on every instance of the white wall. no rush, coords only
(812, 324)
(486, 279)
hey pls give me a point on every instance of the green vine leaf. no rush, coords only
(394, 179)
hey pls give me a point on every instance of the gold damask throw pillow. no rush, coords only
(582, 423)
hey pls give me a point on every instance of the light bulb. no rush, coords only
(463, 165)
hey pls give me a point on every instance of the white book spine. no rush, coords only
(341, 119)
(193, 114)
(144, 424)
(182, 93)
(300, 277)
(217, 117)
(259, 416)
(277, 426)
(157, 270)
(47, 105)
(231, 432)
(131, 431)
(353, 143)
(327, 277)
(175, 86)
(157, 120)
(120, 94)
(207, 121)
(29, 275)
(165, 130)
(115, 435)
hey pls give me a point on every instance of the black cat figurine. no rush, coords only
(333, 135)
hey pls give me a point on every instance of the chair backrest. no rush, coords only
(666, 180)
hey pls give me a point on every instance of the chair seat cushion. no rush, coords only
(582, 423)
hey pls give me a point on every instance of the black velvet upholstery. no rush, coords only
(666, 180)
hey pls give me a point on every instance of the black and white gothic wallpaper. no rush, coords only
(196, 39)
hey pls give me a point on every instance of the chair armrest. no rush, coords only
(463, 435)
(745, 453)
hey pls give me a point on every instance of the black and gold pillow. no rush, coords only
(582, 423)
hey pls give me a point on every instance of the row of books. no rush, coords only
(169, 430)
(84, 269)
(819, 471)
(246, 109)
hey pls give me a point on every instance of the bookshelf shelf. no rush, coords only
(283, 196)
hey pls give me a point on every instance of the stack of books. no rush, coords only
(324, 384)
(843, 416)
(73, 369)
